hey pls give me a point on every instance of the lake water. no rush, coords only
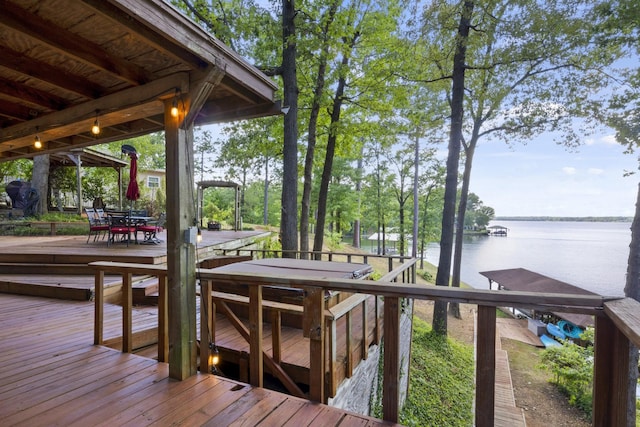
(591, 255)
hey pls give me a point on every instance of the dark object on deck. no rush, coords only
(23, 197)
(213, 225)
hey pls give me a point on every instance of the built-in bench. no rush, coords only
(53, 225)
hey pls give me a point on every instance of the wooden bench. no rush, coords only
(53, 225)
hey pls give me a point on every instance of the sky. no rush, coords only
(542, 178)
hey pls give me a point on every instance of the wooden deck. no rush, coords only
(53, 375)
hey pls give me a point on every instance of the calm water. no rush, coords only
(591, 255)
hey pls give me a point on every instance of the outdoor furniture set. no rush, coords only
(121, 226)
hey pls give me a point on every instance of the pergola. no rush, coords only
(86, 157)
(203, 185)
(123, 65)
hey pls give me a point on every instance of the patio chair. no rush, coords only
(96, 227)
(151, 229)
(120, 225)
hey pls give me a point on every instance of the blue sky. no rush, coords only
(545, 179)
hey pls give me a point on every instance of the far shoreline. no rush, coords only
(566, 218)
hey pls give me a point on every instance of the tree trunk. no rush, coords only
(265, 212)
(40, 182)
(331, 148)
(289, 210)
(451, 183)
(356, 223)
(632, 290)
(305, 208)
(454, 308)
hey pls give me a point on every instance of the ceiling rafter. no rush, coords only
(70, 44)
(46, 73)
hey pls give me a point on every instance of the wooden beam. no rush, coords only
(73, 116)
(127, 315)
(180, 252)
(67, 43)
(485, 366)
(391, 375)
(611, 374)
(200, 90)
(98, 321)
(625, 313)
(313, 322)
(46, 73)
(256, 366)
(123, 16)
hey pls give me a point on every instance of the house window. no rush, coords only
(153, 182)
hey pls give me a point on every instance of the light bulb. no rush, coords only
(37, 143)
(95, 129)
(174, 108)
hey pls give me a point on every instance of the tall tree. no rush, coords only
(439, 321)
(325, 43)
(289, 212)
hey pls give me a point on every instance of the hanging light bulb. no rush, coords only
(95, 129)
(174, 108)
(37, 143)
(199, 236)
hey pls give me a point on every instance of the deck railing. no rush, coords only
(617, 326)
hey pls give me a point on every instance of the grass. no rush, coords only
(441, 384)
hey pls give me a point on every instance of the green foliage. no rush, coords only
(441, 381)
(572, 369)
(426, 275)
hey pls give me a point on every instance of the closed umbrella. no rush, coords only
(133, 192)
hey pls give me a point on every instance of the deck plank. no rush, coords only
(71, 382)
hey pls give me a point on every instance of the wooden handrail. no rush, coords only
(617, 323)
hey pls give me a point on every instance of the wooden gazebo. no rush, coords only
(128, 67)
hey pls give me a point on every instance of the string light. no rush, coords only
(175, 111)
(37, 143)
(174, 108)
(95, 129)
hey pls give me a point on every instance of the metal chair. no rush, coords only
(96, 227)
(120, 225)
(150, 230)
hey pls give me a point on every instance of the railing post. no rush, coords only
(163, 319)
(610, 376)
(127, 315)
(256, 367)
(206, 324)
(276, 336)
(391, 376)
(485, 366)
(99, 308)
(313, 327)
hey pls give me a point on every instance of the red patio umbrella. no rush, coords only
(133, 192)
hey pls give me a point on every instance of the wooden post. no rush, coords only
(127, 315)
(486, 367)
(206, 325)
(180, 253)
(163, 317)
(610, 376)
(276, 336)
(391, 376)
(99, 308)
(313, 322)
(256, 366)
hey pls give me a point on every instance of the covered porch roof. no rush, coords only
(67, 63)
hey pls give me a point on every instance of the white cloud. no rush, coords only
(596, 171)
(609, 139)
(568, 170)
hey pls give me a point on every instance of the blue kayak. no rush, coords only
(569, 329)
(548, 341)
(556, 331)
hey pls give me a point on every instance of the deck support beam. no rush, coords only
(180, 251)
